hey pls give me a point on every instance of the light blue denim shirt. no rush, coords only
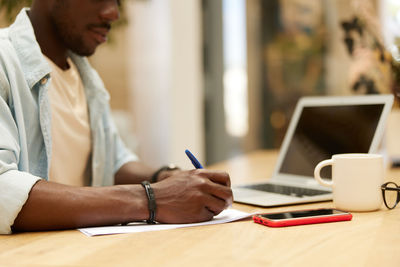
(25, 120)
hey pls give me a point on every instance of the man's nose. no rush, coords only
(110, 11)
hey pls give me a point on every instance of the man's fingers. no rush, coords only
(214, 204)
(214, 183)
(207, 214)
(221, 192)
(193, 196)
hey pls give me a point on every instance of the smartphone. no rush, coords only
(300, 217)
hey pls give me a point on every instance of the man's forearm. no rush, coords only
(137, 172)
(185, 197)
(133, 173)
(55, 206)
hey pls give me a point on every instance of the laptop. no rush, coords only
(319, 128)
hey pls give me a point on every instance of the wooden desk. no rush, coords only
(370, 239)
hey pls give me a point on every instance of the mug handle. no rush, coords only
(317, 172)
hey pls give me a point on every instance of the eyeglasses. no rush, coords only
(391, 194)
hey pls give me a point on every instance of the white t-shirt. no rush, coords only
(71, 136)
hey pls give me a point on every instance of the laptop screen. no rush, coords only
(322, 131)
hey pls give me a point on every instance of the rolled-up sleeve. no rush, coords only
(14, 191)
(14, 184)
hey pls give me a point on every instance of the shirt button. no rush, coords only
(43, 81)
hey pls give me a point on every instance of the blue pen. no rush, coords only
(193, 159)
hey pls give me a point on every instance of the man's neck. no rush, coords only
(46, 36)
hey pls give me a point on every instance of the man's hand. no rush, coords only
(192, 196)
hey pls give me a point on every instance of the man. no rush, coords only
(56, 134)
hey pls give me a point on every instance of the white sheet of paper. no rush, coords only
(225, 216)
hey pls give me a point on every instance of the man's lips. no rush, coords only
(100, 33)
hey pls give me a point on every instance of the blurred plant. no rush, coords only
(375, 67)
(371, 60)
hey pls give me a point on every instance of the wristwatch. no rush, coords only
(170, 167)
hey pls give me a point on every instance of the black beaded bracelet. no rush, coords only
(151, 202)
(154, 177)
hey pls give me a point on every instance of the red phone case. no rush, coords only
(301, 221)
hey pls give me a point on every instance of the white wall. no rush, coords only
(165, 74)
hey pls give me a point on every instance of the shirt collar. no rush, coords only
(23, 38)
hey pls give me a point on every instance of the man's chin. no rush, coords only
(84, 52)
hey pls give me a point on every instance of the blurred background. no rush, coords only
(222, 77)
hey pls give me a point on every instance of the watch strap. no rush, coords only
(154, 177)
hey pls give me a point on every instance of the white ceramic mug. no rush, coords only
(356, 181)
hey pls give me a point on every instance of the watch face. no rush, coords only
(172, 167)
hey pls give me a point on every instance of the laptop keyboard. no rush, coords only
(287, 190)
